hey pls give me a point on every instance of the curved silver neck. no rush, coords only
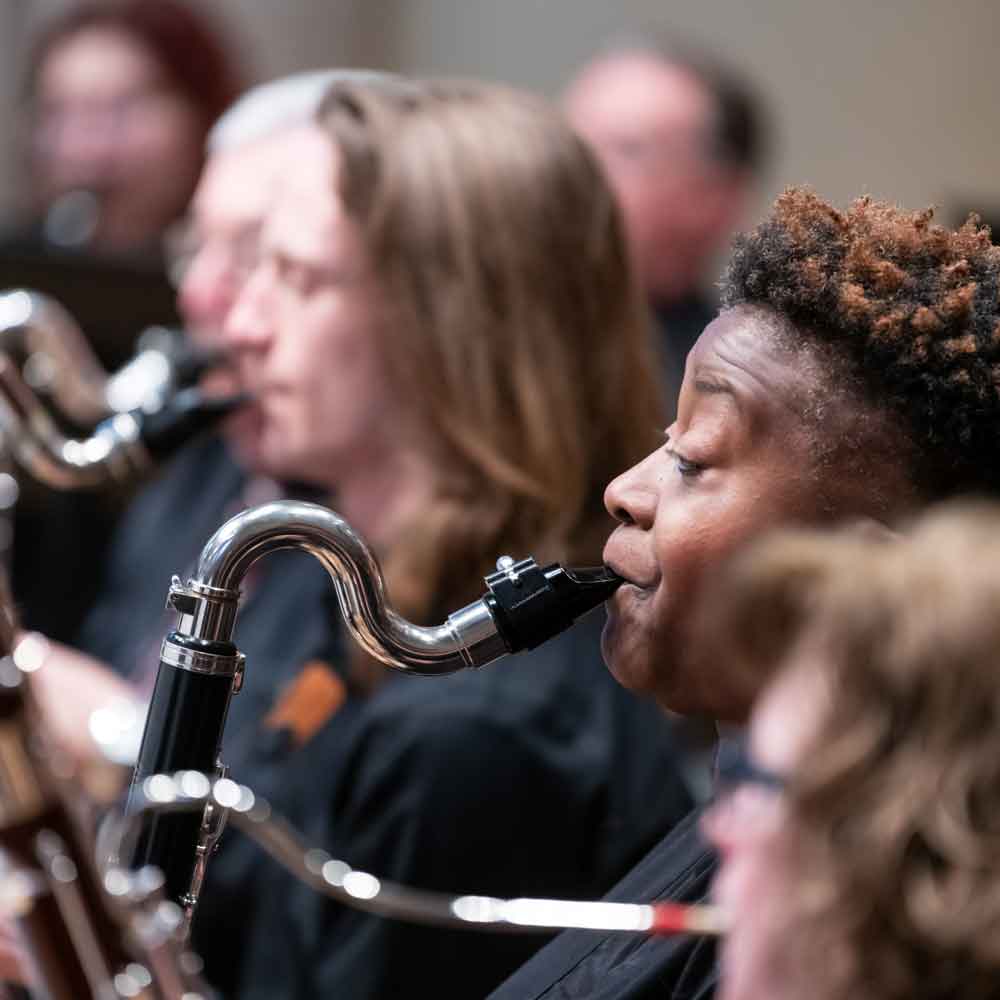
(208, 603)
(113, 453)
(57, 352)
(62, 363)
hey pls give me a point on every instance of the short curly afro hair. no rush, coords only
(913, 310)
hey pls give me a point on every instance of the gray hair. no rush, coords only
(282, 104)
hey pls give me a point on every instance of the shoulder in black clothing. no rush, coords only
(538, 775)
(581, 965)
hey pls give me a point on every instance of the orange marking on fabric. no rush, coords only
(313, 696)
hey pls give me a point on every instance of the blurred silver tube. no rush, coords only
(57, 355)
(58, 359)
(120, 449)
(113, 453)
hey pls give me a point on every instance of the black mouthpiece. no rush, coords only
(181, 418)
(187, 360)
(531, 604)
(191, 362)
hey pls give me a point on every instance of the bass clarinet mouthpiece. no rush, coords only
(181, 418)
(531, 604)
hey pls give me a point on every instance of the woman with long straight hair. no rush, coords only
(443, 332)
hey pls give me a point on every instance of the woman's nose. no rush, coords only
(248, 324)
(632, 497)
(207, 290)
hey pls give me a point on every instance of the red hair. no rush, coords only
(195, 59)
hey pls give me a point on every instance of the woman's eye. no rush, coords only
(687, 468)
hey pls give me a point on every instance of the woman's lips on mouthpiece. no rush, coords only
(621, 558)
(630, 580)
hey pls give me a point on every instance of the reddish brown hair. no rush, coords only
(908, 313)
(195, 59)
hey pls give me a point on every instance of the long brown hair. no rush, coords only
(516, 331)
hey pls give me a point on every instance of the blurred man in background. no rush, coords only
(681, 139)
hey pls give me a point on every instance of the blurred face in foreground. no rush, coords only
(751, 827)
(738, 459)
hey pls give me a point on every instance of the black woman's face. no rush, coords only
(738, 459)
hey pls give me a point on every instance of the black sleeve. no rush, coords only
(579, 965)
(454, 803)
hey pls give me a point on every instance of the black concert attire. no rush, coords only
(587, 965)
(538, 775)
(60, 539)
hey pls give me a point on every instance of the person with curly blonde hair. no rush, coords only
(859, 844)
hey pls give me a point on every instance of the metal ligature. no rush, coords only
(200, 667)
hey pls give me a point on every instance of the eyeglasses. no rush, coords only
(736, 767)
(747, 800)
(238, 251)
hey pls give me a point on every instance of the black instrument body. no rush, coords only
(183, 732)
